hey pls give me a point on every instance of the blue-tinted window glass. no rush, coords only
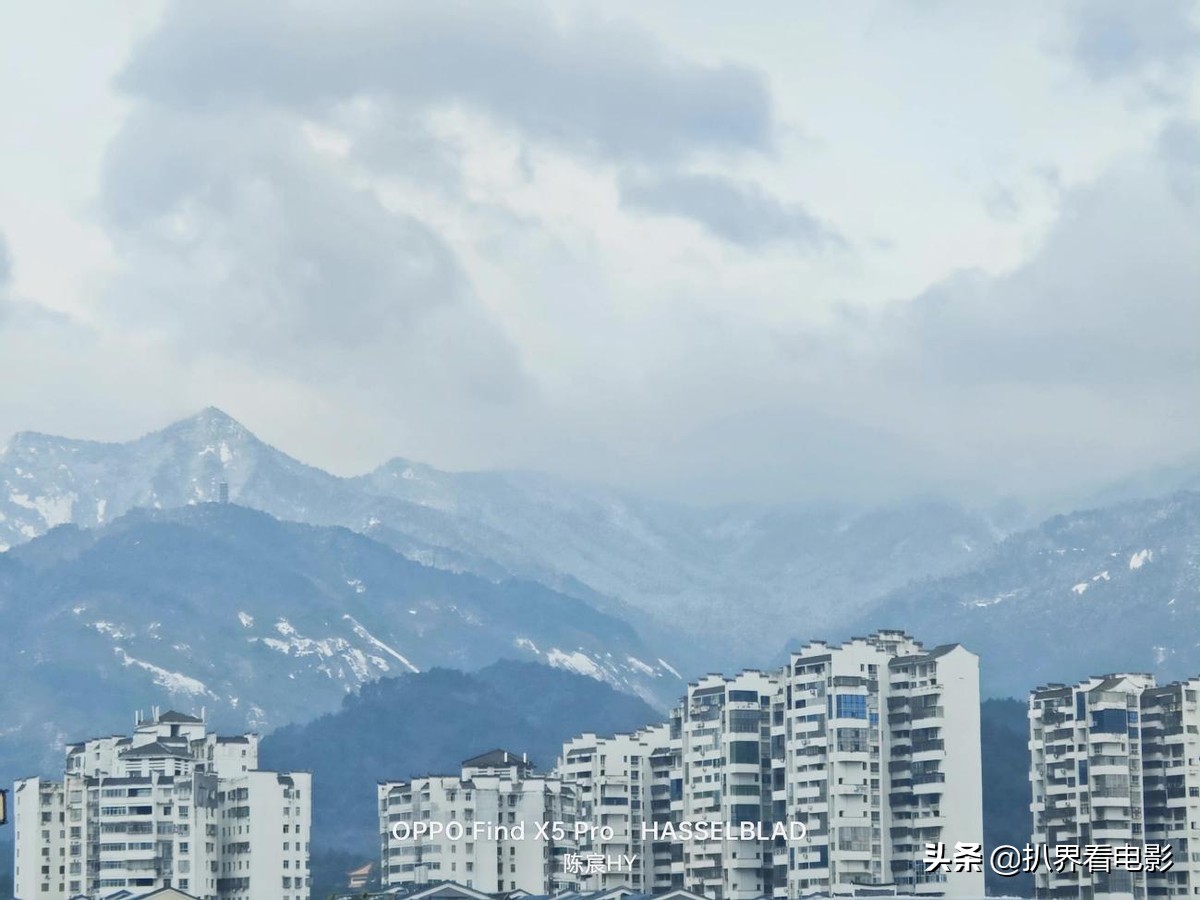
(1108, 721)
(851, 706)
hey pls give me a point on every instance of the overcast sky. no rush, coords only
(837, 249)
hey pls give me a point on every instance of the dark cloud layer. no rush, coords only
(592, 86)
(741, 212)
(244, 240)
(1110, 302)
(1113, 38)
(241, 241)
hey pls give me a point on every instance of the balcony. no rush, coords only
(927, 712)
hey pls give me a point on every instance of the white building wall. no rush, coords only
(725, 756)
(1086, 778)
(834, 779)
(39, 862)
(264, 822)
(140, 813)
(613, 780)
(1115, 760)
(1170, 721)
(491, 859)
(941, 690)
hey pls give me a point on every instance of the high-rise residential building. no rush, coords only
(827, 777)
(492, 832)
(1115, 762)
(169, 806)
(613, 779)
(725, 756)
(877, 751)
(40, 840)
(871, 747)
(1170, 719)
(665, 864)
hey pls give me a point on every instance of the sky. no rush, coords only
(838, 250)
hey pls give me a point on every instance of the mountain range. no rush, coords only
(668, 568)
(1101, 590)
(125, 582)
(261, 623)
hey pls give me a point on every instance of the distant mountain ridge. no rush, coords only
(703, 588)
(666, 566)
(262, 622)
(1109, 589)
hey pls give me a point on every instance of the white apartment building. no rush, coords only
(873, 746)
(613, 778)
(725, 755)
(1115, 760)
(1170, 719)
(169, 806)
(877, 751)
(844, 765)
(664, 869)
(935, 773)
(488, 837)
(40, 839)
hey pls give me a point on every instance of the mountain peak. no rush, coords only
(209, 424)
(214, 416)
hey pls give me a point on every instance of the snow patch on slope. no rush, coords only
(113, 631)
(639, 666)
(53, 510)
(666, 666)
(575, 662)
(175, 682)
(378, 644)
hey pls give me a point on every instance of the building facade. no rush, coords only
(169, 806)
(851, 759)
(492, 832)
(826, 777)
(877, 752)
(1115, 762)
(725, 755)
(614, 780)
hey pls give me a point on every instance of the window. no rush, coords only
(851, 706)
(743, 752)
(1109, 721)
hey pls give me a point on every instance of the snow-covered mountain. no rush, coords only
(669, 567)
(263, 623)
(1101, 590)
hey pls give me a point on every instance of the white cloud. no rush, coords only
(869, 249)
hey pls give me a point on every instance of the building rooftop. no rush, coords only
(938, 651)
(157, 748)
(171, 717)
(497, 759)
